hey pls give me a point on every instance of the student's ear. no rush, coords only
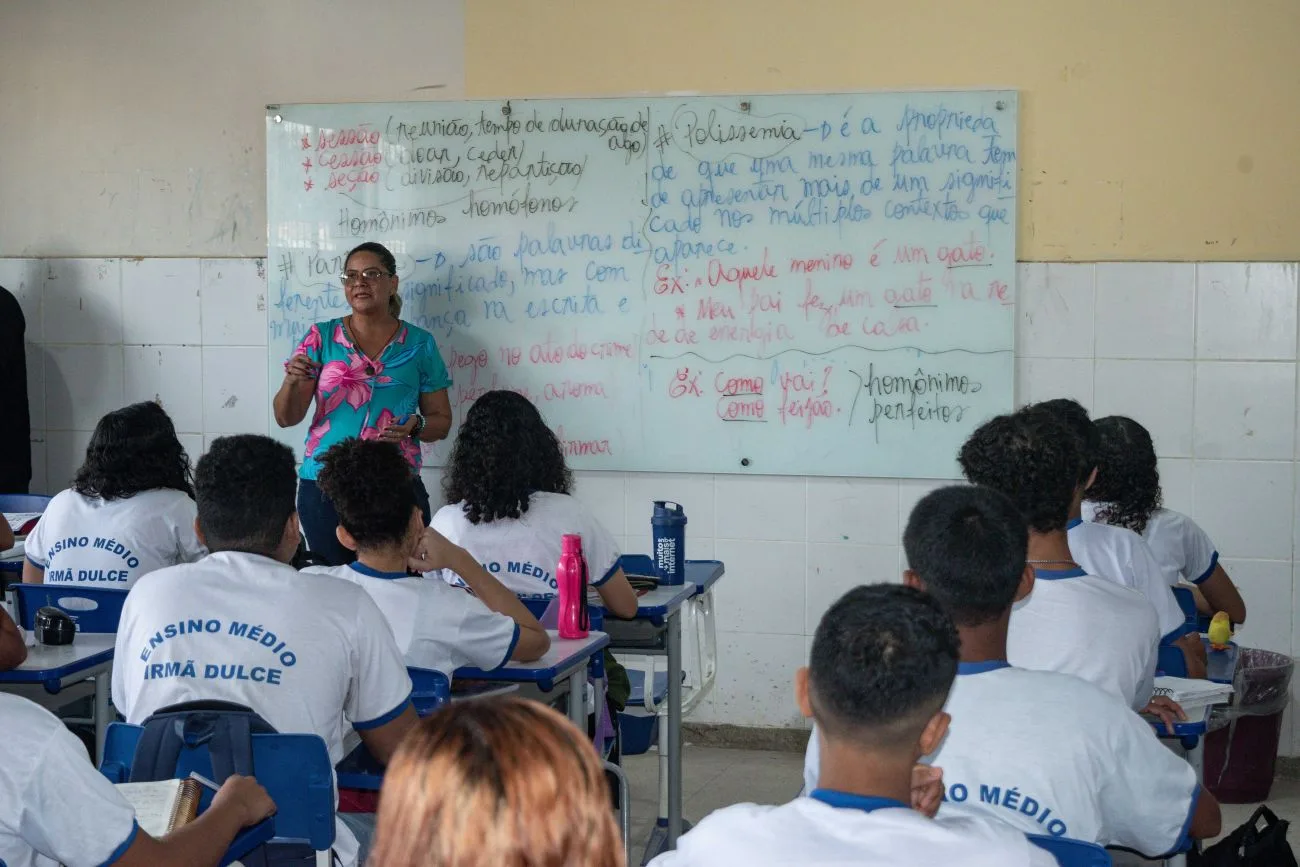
(801, 696)
(290, 538)
(345, 538)
(933, 733)
(1026, 583)
(1092, 479)
(911, 579)
(198, 531)
(416, 526)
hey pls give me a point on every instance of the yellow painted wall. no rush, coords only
(1149, 129)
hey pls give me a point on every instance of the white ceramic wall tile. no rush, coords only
(82, 301)
(604, 495)
(761, 507)
(65, 450)
(1054, 305)
(1176, 484)
(160, 301)
(1245, 409)
(764, 587)
(1265, 587)
(755, 684)
(25, 280)
(235, 396)
(911, 491)
(233, 301)
(1158, 394)
(39, 483)
(1246, 507)
(36, 385)
(82, 384)
(693, 492)
(834, 570)
(1246, 310)
(857, 511)
(171, 375)
(193, 444)
(1039, 379)
(1145, 309)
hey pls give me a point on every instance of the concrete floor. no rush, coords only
(715, 778)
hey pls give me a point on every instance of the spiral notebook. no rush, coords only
(163, 806)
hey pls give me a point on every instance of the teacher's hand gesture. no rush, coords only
(300, 369)
(395, 433)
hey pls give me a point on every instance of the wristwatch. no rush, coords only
(419, 426)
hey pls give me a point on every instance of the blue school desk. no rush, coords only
(90, 656)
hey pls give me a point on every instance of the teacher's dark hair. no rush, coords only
(503, 454)
(389, 262)
(246, 488)
(134, 449)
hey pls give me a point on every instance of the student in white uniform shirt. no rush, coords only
(55, 808)
(242, 625)
(437, 626)
(882, 662)
(508, 486)
(130, 509)
(1075, 623)
(1116, 552)
(1127, 494)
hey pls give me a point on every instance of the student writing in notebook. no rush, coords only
(883, 660)
(55, 808)
(1045, 752)
(437, 626)
(1074, 622)
(1127, 494)
(1118, 553)
(308, 654)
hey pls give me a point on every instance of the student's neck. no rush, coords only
(391, 559)
(850, 769)
(1076, 505)
(1050, 549)
(986, 642)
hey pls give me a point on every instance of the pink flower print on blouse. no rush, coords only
(311, 343)
(318, 432)
(410, 448)
(352, 382)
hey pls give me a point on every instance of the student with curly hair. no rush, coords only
(509, 490)
(130, 509)
(1073, 622)
(1127, 494)
(437, 626)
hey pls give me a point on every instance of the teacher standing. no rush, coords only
(372, 376)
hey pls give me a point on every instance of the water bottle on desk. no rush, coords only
(571, 576)
(668, 530)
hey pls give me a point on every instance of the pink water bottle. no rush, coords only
(571, 575)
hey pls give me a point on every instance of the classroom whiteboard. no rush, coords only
(795, 284)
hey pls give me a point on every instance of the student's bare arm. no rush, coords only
(1207, 821)
(382, 741)
(1193, 655)
(202, 843)
(6, 535)
(618, 596)
(32, 574)
(13, 652)
(1223, 595)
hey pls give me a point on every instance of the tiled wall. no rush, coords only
(1204, 355)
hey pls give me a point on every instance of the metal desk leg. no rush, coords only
(674, 729)
(577, 694)
(103, 712)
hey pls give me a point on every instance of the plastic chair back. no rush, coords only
(11, 503)
(92, 608)
(1187, 602)
(1072, 853)
(1170, 661)
(430, 690)
(293, 768)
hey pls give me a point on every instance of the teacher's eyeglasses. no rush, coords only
(370, 275)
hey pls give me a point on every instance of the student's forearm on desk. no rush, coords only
(202, 842)
(13, 652)
(618, 595)
(533, 640)
(292, 401)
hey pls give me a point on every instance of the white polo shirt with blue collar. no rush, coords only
(1081, 624)
(436, 626)
(837, 828)
(1122, 556)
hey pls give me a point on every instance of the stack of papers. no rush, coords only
(18, 520)
(1193, 694)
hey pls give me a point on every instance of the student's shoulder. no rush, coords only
(344, 572)
(449, 518)
(545, 503)
(1173, 523)
(1117, 597)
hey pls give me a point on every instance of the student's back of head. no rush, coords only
(1033, 458)
(369, 484)
(495, 782)
(503, 454)
(883, 659)
(134, 449)
(1073, 416)
(246, 487)
(967, 545)
(1127, 489)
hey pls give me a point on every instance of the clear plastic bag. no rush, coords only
(1261, 686)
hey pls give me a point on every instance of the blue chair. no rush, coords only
(1072, 853)
(11, 503)
(430, 690)
(94, 609)
(293, 768)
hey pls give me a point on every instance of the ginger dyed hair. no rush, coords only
(500, 782)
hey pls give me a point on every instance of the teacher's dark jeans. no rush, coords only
(319, 520)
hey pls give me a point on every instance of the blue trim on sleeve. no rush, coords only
(847, 800)
(1184, 841)
(126, 844)
(510, 651)
(610, 574)
(1057, 574)
(981, 667)
(1214, 562)
(1073, 522)
(386, 718)
(41, 566)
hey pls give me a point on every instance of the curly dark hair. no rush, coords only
(369, 483)
(1033, 458)
(1072, 414)
(134, 449)
(503, 454)
(1127, 489)
(247, 488)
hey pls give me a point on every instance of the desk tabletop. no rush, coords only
(564, 655)
(664, 599)
(1221, 665)
(704, 574)
(46, 663)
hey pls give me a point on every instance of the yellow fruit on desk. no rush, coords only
(1220, 631)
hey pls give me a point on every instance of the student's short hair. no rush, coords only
(968, 544)
(883, 659)
(246, 486)
(1072, 414)
(1033, 458)
(369, 483)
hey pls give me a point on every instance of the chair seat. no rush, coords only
(659, 687)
